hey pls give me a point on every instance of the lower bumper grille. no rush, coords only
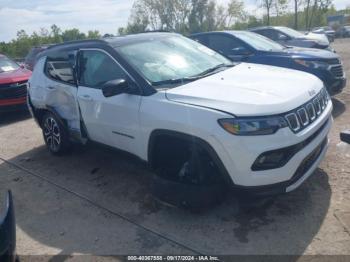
(309, 161)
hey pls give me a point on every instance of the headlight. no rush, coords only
(311, 64)
(253, 126)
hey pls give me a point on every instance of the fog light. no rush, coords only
(274, 159)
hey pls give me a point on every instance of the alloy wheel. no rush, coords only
(52, 134)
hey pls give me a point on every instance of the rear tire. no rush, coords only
(55, 134)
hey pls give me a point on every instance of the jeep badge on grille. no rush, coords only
(312, 92)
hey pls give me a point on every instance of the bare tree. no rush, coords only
(226, 16)
(307, 13)
(235, 10)
(267, 4)
(297, 4)
(319, 7)
(280, 7)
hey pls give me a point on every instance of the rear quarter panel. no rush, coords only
(46, 93)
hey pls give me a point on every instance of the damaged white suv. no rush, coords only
(186, 110)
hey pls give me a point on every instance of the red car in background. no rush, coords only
(13, 85)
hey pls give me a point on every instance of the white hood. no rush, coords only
(249, 90)
(320, 38)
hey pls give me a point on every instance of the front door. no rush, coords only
(228, 46)
(114, 120)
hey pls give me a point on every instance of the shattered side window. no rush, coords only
(97, 68)
(58, 67)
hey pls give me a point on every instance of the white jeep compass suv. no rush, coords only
(186, 110)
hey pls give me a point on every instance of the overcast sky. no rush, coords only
(103, 15)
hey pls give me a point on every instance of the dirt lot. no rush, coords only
(96, 201)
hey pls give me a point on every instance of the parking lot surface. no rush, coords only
(97, 201)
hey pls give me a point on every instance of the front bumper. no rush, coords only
(336, 86)
(333, 82)
(13, 96)
(304, 171)
(243, 151)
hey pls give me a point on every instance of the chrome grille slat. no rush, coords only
(304, 118)
(317, 106)
(293, 121)
(322, 102)
(311, 111)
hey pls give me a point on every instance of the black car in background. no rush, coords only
(243, 46)
(30, 59)
(290, 37)
(7, 230)
(343, 32)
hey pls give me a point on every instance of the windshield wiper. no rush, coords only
(175, 81)
(213, 69)
(191, 78)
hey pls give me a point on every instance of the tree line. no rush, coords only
(19, 47)
(186, 17)
(192, 16)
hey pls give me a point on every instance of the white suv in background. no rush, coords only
(195, 117)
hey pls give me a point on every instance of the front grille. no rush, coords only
(13, 90)
(333, 61)
(337, 71)
(304, 115)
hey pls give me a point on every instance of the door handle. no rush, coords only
(85, 98)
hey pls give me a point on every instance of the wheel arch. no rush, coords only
(38, 114)
(188, 138)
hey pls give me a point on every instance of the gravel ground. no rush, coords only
(97, 201)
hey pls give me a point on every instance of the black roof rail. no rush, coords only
(85, 41)
(159, 31)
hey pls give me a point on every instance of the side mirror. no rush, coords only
(282, 38)
(240, 51)
(345, 136)
(115, 87)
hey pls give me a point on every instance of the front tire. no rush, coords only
(55, 134)
(193, 182)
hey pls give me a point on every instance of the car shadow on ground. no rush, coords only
(284, 224)
(339, 107)
(13, 117)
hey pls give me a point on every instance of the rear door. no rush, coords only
(114, 120)
(58, 90)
